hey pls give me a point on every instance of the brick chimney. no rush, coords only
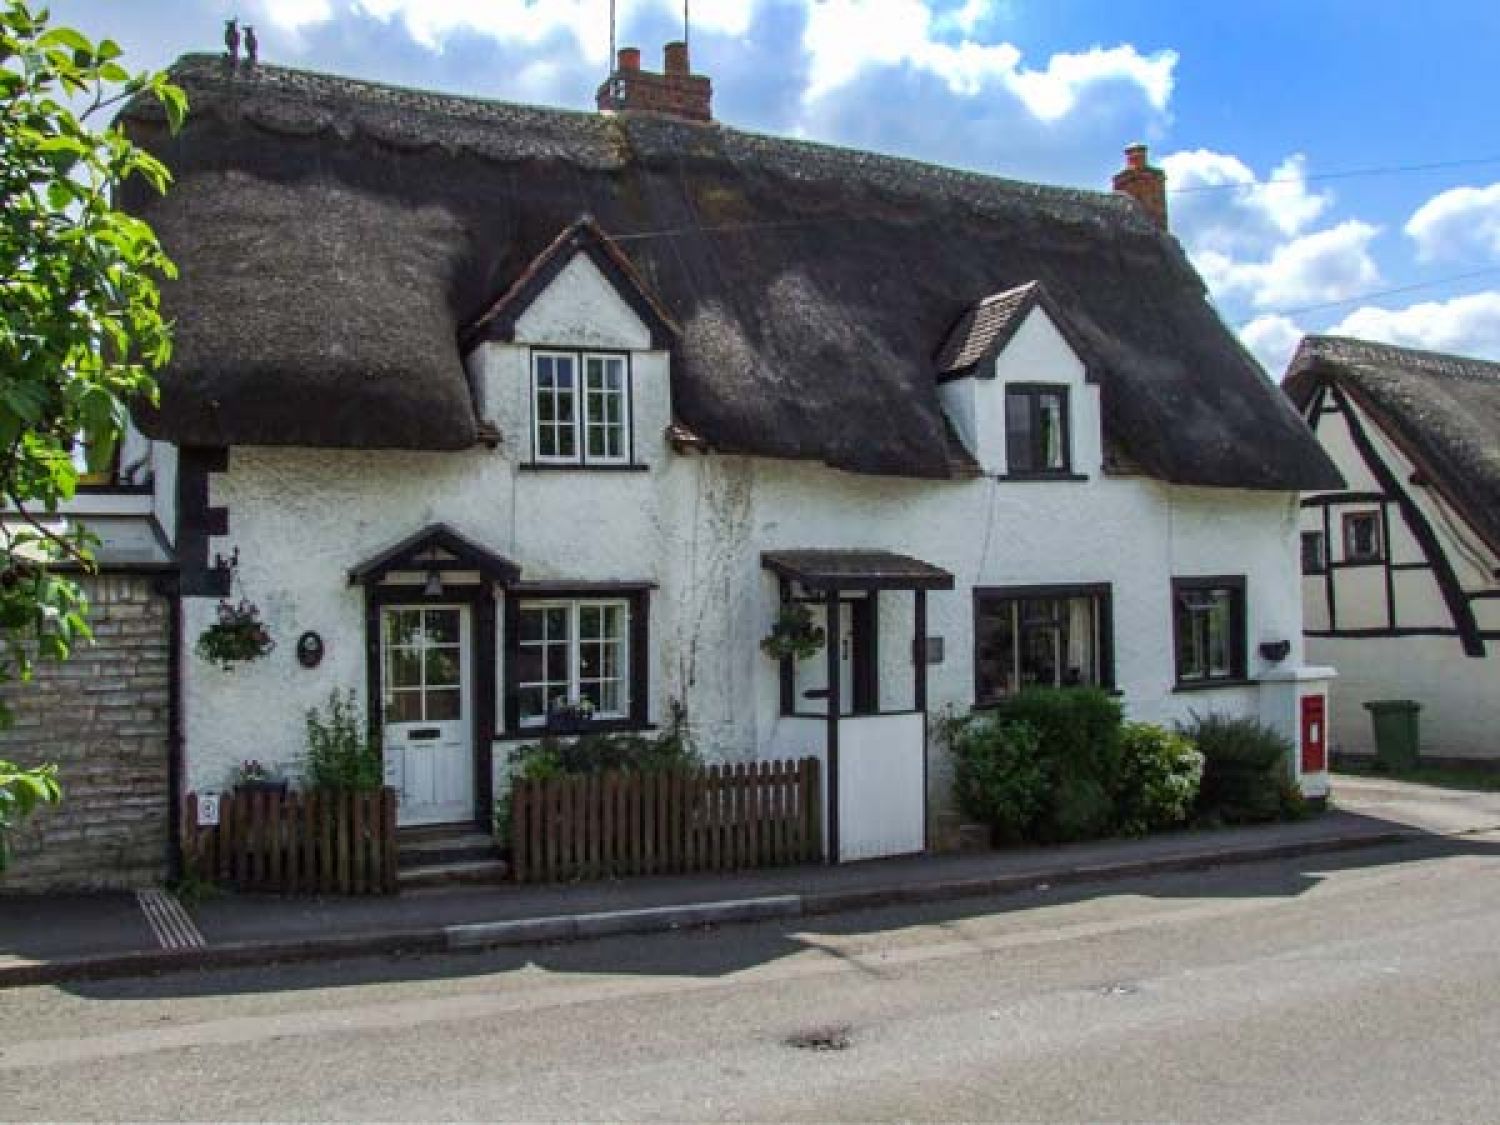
(676, 92)
(1143, 183)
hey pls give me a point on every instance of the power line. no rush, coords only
(1389, 292)
(1353, 173)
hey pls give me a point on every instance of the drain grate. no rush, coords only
(835, 1037)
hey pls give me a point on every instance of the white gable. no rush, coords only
(580, 308)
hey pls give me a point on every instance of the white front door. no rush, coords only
(429, 741)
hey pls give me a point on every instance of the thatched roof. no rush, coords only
(336, 236)
(1442, 411)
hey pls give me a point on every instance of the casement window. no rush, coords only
(1362, 537)
(1036, 429)
(570, 651)
(1047, 636)
(580, 408)
(1314, 553)
(1208, 618)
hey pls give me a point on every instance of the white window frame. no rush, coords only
(579, 420)
(574, 606)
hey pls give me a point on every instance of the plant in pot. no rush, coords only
(236, 635)
(793, 634)
(569, 717)
(253, 776)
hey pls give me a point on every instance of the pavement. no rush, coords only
(55, 938)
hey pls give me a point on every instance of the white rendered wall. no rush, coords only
(696, 526)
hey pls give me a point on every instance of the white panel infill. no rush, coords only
(882, 795)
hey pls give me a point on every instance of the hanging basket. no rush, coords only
(793, 635)
(237, 635)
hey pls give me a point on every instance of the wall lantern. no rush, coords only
(1276, 651)
(434, 585)
(309, 649)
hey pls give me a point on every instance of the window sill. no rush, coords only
(580, 467)
(1351, 564)
(1214, 685)
(610, 726)
(1035, 478)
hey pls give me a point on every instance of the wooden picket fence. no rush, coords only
(722, 818)
(318, 842)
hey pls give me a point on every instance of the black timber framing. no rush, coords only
(834, 694)
(198, 521)
(480, 598)
(1442, 570)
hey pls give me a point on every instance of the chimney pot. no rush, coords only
(676, 58)
(628, 58)
(1143, 183)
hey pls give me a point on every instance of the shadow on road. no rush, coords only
(716, 952)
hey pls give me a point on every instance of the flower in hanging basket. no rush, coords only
(237, 634)
(793, 635)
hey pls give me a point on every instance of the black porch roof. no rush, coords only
(407, 555)
(856, 570)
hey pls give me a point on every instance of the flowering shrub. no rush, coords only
(236, 635)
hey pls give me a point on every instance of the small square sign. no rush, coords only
(208, 810)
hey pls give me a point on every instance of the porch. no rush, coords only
(874, 756)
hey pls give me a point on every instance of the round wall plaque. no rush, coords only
(309, 649)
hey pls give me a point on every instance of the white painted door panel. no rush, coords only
(426, 695)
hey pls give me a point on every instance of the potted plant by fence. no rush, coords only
(793, 634)
(341, 754)
(236, 635)
(253, 776)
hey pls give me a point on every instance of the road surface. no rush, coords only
(1359, 987)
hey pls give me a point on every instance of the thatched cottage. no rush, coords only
(1401, 586)
(492, 407)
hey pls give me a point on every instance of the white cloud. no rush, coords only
(1458, 223)
(1218, 203)
(294, 15)
(430, 22)
(1272, 339)
(1327, 265)
(1468, 325)
(969, 16)
(845, 38)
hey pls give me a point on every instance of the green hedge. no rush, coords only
(1246, 772)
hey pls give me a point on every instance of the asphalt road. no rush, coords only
(1361, 987)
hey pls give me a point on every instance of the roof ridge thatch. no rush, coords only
(1350, 349)
(206, 71)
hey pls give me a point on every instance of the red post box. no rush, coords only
(1314, 734)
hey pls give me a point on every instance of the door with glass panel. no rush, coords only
(428, 723)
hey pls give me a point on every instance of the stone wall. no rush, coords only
(104, 718)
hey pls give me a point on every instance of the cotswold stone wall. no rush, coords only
(103, 718)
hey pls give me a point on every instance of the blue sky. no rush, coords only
(1284, 125)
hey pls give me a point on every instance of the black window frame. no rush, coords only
(581, 460)
(1348, 522)
(1102, 594)
(1034, 392)
(1238, 673)
(1318, 562)
(638, 651)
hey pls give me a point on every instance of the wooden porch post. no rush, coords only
(835, 689)
(919, 691)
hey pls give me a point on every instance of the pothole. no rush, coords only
(835, 1037)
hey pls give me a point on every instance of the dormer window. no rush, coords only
(1036, 429)
(580, 408)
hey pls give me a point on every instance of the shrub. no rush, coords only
(1160, 772)
(1245, 771)
(598, 753)
(340, 751)
(1080, 752)
(999, 778)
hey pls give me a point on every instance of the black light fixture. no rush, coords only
(1275, 651)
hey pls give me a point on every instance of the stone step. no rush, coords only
(447, 847)
(447, 874)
